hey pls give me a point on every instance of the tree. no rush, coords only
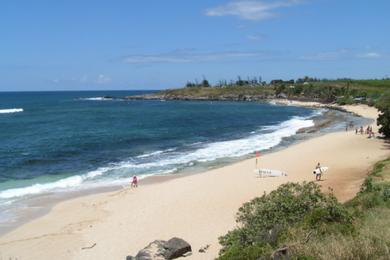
(239, 81)
(205, 83)
(190, 84)
(384, 118)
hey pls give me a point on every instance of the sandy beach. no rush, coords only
(198, 208)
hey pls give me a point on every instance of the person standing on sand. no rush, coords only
(318, 172)
(371, 132)
(134, 182)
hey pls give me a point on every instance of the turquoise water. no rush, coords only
(64, 141)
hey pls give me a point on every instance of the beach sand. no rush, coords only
(198, 208)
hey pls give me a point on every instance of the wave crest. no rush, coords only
(97, 98)
(11, 110)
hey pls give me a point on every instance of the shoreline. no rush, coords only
(107, 205)
(40, 204)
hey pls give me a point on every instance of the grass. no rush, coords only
(342, 91)
(215, 92)
(371, 241)
(370, 209)
(308, 224)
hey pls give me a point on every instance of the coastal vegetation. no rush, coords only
(301, 222)
(383, 106)
(340, 91)
(373, 92)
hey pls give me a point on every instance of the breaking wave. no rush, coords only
(97, 98)
(167, 161)
(11, 110)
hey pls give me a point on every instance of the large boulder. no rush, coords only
(163, 250)
(154, 250)
(176, 247)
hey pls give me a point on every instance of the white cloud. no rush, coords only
(342, 54)
(369, 55)
(84, 79)
(328, 55)
(251, 9)
(186, 56)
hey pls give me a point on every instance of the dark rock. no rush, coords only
(162, 250)
(154, 251)
(203, 249)
(176, 247)
(280, 254)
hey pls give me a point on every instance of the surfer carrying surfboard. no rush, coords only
(318, 172)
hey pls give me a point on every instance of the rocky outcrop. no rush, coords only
(162, 250)
(227, 97)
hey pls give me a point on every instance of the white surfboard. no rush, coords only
(269, 173)
(320, 170)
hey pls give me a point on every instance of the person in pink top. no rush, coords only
(134, 182)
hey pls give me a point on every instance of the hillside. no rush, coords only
(342, 91)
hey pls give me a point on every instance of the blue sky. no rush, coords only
(131, 44)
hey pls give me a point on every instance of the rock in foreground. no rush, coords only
(162, 250)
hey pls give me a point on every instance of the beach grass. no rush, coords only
(314, 225)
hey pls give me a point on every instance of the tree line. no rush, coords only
(250, 81)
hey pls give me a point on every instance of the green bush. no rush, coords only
(348, 100)
(384, 118)
(264, 221)
(237, 252)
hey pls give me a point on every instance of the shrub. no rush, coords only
(370, 242)
(384, 118)
(264, 221)
(311, 225)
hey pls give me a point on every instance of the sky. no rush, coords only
(134, 44)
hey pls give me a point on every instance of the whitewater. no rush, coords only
(166, 161)
(11, 110)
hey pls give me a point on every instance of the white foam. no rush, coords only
(171, 161)
(149, 154)
(228, 149)
(11, 110)
(96, 98)
(38, 188)
(155, 153)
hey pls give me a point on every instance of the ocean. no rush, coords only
(58, 142)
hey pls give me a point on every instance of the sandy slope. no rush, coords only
(198, 208)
